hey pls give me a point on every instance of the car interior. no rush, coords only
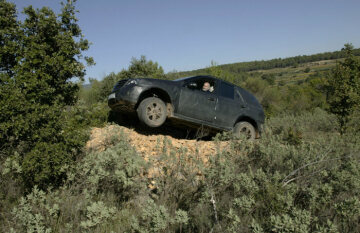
(201, 85)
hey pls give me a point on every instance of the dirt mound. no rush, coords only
(150, 144)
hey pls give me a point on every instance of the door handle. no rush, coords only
(211, 99)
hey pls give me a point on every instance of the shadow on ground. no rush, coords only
(170, 128)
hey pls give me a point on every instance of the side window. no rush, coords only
(204, 85)
(227, 90)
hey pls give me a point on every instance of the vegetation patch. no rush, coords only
(64, 168)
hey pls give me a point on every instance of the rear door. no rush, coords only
(230, 105)
(196, 103)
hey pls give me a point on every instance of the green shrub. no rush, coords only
(84, 116)
(353, 125)
(40, 56)
(45, 163)
(293, 137)
(156, 218)
(343, 88)
(273, 185)
(269, 185)
(97, 214)
(314, 121)
(36, 213)
(96, 189)
(117, 170)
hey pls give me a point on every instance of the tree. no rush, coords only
(39, 57)
(143, 68)
(343, 89)
(214, 69)
(138, 68)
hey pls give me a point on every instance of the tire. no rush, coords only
(244, 128)
(152, 112)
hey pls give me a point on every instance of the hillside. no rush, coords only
(295, 74)
(239, 67)
(283, 71)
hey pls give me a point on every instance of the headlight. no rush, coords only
(111, 96)
(132, 81)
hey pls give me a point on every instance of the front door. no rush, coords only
(196, 103)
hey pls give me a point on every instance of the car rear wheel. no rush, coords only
(152, 112)
(246, 129)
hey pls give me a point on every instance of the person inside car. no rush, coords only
(206, 87)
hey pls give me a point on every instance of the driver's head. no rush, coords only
(206, 86)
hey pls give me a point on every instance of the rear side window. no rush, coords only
(227, 90)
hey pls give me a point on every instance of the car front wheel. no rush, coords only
(152, 112)
(246, 129)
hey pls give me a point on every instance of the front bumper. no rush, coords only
(125, 99)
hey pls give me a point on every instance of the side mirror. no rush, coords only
(192, 85)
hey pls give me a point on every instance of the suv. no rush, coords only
(194, 101)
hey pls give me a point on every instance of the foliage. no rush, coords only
(97, 214)
(155, 218)
(293, 137)
(344, 87)
(35, 211)
(264, 186)
(270, 78)
(353, 126)
(116, 170)
(138, 68)
(144, 68)
(83, 116)
(278, 187)
(316, 121)
(39, 57)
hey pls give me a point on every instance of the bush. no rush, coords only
(343, 89)
(117, 170)
(272, 185)
(45, 163)
(311, 122)
(263, 186)
(84, 116)
(97, 214)
(36, 213)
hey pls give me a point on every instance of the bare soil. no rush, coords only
(152, 142)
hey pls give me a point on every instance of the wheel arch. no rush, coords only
(159, 93)
(251, 121)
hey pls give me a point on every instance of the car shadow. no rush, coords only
(167, 129)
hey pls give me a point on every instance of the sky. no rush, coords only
(188, 34)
